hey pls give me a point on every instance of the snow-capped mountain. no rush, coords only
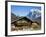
(34, 14)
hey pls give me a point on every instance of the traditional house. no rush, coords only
(22, 22)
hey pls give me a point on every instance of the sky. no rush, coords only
(22, 10)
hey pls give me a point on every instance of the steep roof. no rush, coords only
(22, 18)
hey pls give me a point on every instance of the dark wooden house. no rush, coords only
(22, 22)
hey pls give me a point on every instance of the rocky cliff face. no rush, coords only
(13, 17)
